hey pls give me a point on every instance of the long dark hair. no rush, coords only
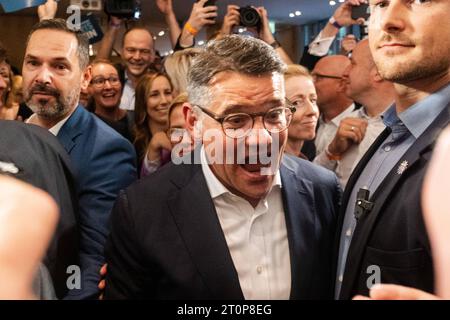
(141, 130)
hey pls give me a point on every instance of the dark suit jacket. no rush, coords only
(43, 163)
(393, 235)
(166, 241)
(104, 163)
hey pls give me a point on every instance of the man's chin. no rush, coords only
(137, 72)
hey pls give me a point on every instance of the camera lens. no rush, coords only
(249, 17)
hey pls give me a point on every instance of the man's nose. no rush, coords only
(392, 19)
(44, 76)
(259, 135)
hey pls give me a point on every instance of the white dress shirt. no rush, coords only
(327, 131)
(128, 95)
(56, 128)
(256, 237)
(344, 167)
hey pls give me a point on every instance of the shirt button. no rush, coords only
(341, 278)
(387, 148)
(259, 269)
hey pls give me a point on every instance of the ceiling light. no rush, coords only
(298, 13)
(161, 33)
(332, 3)
(291, 15)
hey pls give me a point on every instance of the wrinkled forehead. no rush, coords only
(231, 91)
(53, 44)
(103, 69)
(139, 39)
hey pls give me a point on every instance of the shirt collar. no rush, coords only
(216, 188)
(57, 127)
(344, 114)
(419, 116)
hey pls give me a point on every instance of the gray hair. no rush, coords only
(235, 53)
(61, 25)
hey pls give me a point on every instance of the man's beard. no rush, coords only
(52, 110)
(408, 70)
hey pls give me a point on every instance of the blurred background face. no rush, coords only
(158, 100)
(138, 52)
(358, 73)
(5, 81)
(85, 95)
(328, 80)
(106, 88)
(177, 130)
(301, 92)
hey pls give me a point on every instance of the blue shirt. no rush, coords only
(406, 128)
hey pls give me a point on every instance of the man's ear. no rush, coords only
(86, 79)
(342, 87)
(190, 118)
(193, 121)
(375, 75)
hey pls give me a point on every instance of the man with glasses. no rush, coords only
(333, 103)
(235, 219)
(358, 131)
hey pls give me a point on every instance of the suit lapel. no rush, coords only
(71, 130)
(349, 187)
(298, 200)
(195, 215)
(422, 147)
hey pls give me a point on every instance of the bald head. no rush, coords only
(332, 65)
(362, 52)
(364, 84)
(330, 86)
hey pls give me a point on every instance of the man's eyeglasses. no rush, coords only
(316, 76)
(239, 125)
(100, 81)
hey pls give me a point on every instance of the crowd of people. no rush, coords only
(228, 171)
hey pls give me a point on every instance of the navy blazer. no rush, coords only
(104, 164)
(392, 236)
(166, 241)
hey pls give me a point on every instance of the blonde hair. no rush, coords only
(177, 66)
(294, 70)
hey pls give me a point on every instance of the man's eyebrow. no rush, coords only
(59, 59)
(30, 56)
(238, 108)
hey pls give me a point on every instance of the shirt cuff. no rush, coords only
(320, 46)
(149, 167)
(323, 160)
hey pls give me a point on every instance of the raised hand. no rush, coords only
(231, 19)
(48, 10)
(343, 14)
(201, 16)
(348, 44)
(165, 6)
(351, 131)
